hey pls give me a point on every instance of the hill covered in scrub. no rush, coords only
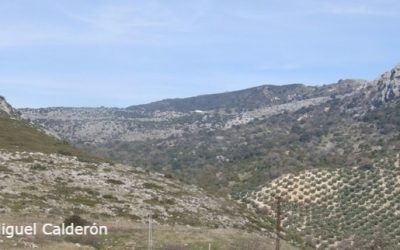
(330, 152)
(242, 100)
(45, 179)
(233, 142)
(60, 185)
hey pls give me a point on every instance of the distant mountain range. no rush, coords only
(175, 116)
(248, 99)
(221, 130)
(241, 142)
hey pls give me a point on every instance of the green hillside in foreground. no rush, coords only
(19, 135)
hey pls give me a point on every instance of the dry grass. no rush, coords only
(124, 234)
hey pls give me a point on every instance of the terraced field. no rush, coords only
(352, 207)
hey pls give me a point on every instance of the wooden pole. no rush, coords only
(150, 241)
(278, 222)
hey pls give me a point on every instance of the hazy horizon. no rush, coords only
(122, 53)
(181, 97)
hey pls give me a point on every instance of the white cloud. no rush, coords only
(357, 8)
(304, 8)
(111, 23)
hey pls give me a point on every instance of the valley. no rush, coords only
(45, 180)
(219, 162)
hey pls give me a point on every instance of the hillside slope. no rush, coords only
(241, 100)
(195, 143)
(355, 207)
(110, 190)
(243, 138)
(19, 135)
(242, 143)
(169, 118)
(46, 180)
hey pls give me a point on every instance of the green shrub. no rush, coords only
(115, 182)
(76, 220)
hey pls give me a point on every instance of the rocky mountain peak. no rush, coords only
(388, 85)
(5, 107)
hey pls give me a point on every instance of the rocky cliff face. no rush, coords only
(6, 108)
(388, 86)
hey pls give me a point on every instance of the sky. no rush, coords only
(119, 53)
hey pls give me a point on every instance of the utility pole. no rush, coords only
(278, 222)
(150, 242)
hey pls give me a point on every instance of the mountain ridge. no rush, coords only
(48, 179)
(130, 123)
(252, 98)
(164, 138)
(254, 139)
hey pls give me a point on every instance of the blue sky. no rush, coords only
(120, 53)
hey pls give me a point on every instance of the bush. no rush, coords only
(76, 220)
(115, 182)
(38, 167)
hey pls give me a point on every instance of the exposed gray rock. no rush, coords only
(388, 86)
(58, 184)
(6, 108)
(160, 120)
